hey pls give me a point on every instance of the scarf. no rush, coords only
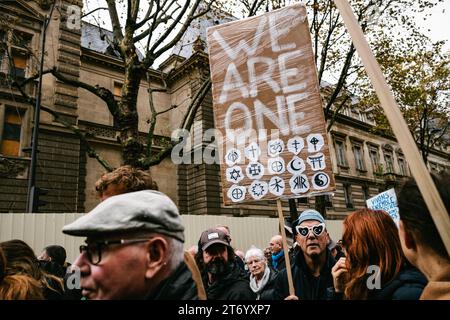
(257, 288)
(276, 257)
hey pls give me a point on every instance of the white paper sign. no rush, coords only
(386, 201)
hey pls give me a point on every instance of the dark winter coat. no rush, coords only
(307, 287)
(280, 265)
(268, 292)
(178, 286)
(233, 286)
(408, 285)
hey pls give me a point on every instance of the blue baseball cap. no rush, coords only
(309, 214)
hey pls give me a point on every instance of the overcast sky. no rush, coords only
(438, 25)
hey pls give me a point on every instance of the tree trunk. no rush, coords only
(128, 121)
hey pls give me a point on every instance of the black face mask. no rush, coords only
(217, 267)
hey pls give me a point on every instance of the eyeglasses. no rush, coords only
(94, 249)
(316, 229)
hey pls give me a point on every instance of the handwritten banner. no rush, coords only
(268, 108)
(386, 201)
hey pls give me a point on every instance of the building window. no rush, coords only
(302, 201)
(117, 89)
(402, 166)
(366, 193)
(19, 67)
(11, 133)
(15, 63)
(328, 201)
(389, 162)
(359, 157)
(340, 153)
(348, 196)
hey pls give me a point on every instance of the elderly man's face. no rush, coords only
(215, 258)
(311, 244)
(276, 245)
(120, 274)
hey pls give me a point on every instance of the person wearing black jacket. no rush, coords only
(277, 261)
(375, 267)
(262, 277)
(222, 278)
(311, 267)
(134, 249)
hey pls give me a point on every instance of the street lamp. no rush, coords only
(33, 192)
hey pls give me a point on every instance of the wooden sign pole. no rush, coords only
(285, 249)
(398, 124)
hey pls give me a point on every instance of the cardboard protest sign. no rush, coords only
(386, 201)
(268, 109)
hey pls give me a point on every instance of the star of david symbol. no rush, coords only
(235, 174)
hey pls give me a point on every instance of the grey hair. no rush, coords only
(254, 252)
(176, 253)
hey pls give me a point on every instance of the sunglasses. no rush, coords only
(317, 230)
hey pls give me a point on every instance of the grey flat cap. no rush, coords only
(146, 210)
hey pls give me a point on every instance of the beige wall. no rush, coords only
(94, 109)
(94, 170)
(41, 230)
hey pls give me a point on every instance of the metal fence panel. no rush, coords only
(41, 230)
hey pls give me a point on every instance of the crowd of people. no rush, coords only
(134, 249)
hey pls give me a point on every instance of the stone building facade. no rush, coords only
(363, 163)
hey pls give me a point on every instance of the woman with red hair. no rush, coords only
(375, 267)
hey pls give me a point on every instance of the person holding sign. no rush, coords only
(311, 268)
(420, 239)
(375, 267)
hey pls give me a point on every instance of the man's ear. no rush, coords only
(157, 251)
(408, 237)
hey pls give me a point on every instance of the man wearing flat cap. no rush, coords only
(134, 249)
(311, 266)
(222, 278)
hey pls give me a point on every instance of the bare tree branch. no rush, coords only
(147, 16)
(75, 129)
(91, 12)
(196, 102)
(115, 22)
(174, 24)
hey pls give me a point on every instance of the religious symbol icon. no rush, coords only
(299, 184)
(236, 193)
(295, 145)
(276, 186)
(296, 166)
(315, 142)
(234, 174)
(275, 147)
(252, 152)
(258, 189)
(232, 157)
(255, 170)
(320, 181)
(276, 165)
(317, 162)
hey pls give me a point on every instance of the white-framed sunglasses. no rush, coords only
(317, 230)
